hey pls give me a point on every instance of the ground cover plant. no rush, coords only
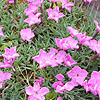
(49, 50)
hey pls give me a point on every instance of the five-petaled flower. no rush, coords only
(54, 14)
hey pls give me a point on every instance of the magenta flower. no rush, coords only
(59, 98)
(6, 64)
(43, 59)
(1, 33)
(69, 61)
(36, 92)
(37, 2)
(83, 39)
(70, 85)
(53, 58)
(67, 43)
(54, 14)
(94, 45)
(59, 84)
(93, 84)
(54, 0)
(10, 53)
(73, 31)
(26, 34)
(4, 76)
(33, 19)
(67, 5)
(77, 75)
(58, 58)
(88, 1)
(40, 81)
(31, 9)
(96, 24)
(60, 77)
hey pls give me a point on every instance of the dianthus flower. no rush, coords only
(67, 5)
(54, 13)
(59, 98)
(67, 43)
(40, 81)
(4, 76)
(93, 85)
(53, 58)
(33, 19)
(31, 9)
(36, 92)
(72, 31)
(94, 45)
(26, 34)
(10, 53)
(1, 33)
(59, 84)
(96, 24)
(83, 39)
(77, 75)
(6, 64)
(88, 1)
(69, 61)
(54, 0)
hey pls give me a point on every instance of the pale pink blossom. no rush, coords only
(54, 0)
(26, 34)
(94, 45)
(54, 14)
(73, 31)
(88, 1)
(67, 43)
(96, 24)
(31, 9)
(3, 77)
(69, 61)
(10, 53)
(1, 33)
(36, 92)
(77, 75)
(33, 19)
(67, 5)
(59, 98)
(83, 39)
(40, 80)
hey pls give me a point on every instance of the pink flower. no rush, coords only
(36, 92)
(4, 76)
(40, 81)
(37, 2)
(54, 14)
(10, 53)
(83, 39)
(94, 45)
(60, 77)
(1, 33)
(67, 43)
(59, 98)
(77, 74)
(26, 34)
(59, 84)
(67, 5)
(6, 64)
(88, 1)
(54, 0)
(73, 31)
(43, 59)
(69, 61)
(93, 84)
(96, 24)
(53, 58)
(31, 9)
(33, 19)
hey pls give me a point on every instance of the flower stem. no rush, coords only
(94, 57)
(14, 71)
(42, 11)
(95, 35)
(37, 26)
(51, 5)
